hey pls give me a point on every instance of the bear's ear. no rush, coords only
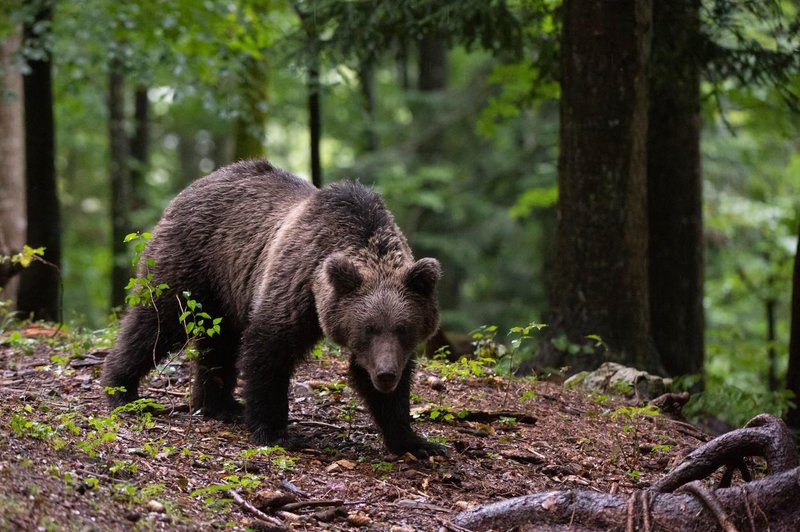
(423, 276)
(343, 274)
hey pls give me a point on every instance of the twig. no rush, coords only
(312, 423)
(291, 487)
(711, 502)
(449, 525)
(630, 510)
(644, 496)
(292, 506)
(253, 510)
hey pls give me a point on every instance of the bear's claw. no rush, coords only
(420, 448)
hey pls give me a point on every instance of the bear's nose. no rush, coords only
(387, 377)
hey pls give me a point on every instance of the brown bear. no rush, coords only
(283, 263)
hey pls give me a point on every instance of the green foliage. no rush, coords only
(142, 290)
(196, 322)
(25, 257)
(382, 468)
(278, 457)
(630, 415)
(347, 413)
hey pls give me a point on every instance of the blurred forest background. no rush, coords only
(492, 129)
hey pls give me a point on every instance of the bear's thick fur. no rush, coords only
(283, 263)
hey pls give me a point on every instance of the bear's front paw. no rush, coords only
(419, 447)
(265, 437)
(229, 411)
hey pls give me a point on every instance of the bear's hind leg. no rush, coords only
(215, 377)
(145, 337)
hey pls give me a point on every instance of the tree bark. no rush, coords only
(674, 189)
(12, 163)
(601, 286)
(249, 127)
(793, 371)
(121, 190)
(40, 286)
(139, 147)
(366, 81)
(432, 79)
(314, 119)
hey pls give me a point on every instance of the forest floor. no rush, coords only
(68, 463)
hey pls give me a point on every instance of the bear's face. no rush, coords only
(379, 320)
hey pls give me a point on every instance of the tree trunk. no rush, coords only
(12, 163)
(121, 190)
(793, 371)
(39, 291)
(432, 64)
(432, 80)
(315, 119)
(366, 80)
(674, 182)
(601, 286)
(139, 147)
(249, 127)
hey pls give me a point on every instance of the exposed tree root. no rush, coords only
(678, 501)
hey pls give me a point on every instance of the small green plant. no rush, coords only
(278, 457)
(333, 388)
(26, 257)
(24, 427)
(142, 290)
(113, 390)
(122, 468)
(348, 414)
(529, 395)
(446, 413)
(325, 349)
(441, 412)
(197, 323)
(630, 415)
(508, 420)
(142, 409)
(382, 467)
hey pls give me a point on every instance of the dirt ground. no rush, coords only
(66, 463)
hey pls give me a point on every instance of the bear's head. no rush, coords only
(379, 317)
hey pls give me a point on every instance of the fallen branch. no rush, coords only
(253, 510)
(764, 435)
(663, 506)
(292, 506)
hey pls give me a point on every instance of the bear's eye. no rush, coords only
(371, 329)
(401, 330)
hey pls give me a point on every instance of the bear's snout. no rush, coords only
(386, 381)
